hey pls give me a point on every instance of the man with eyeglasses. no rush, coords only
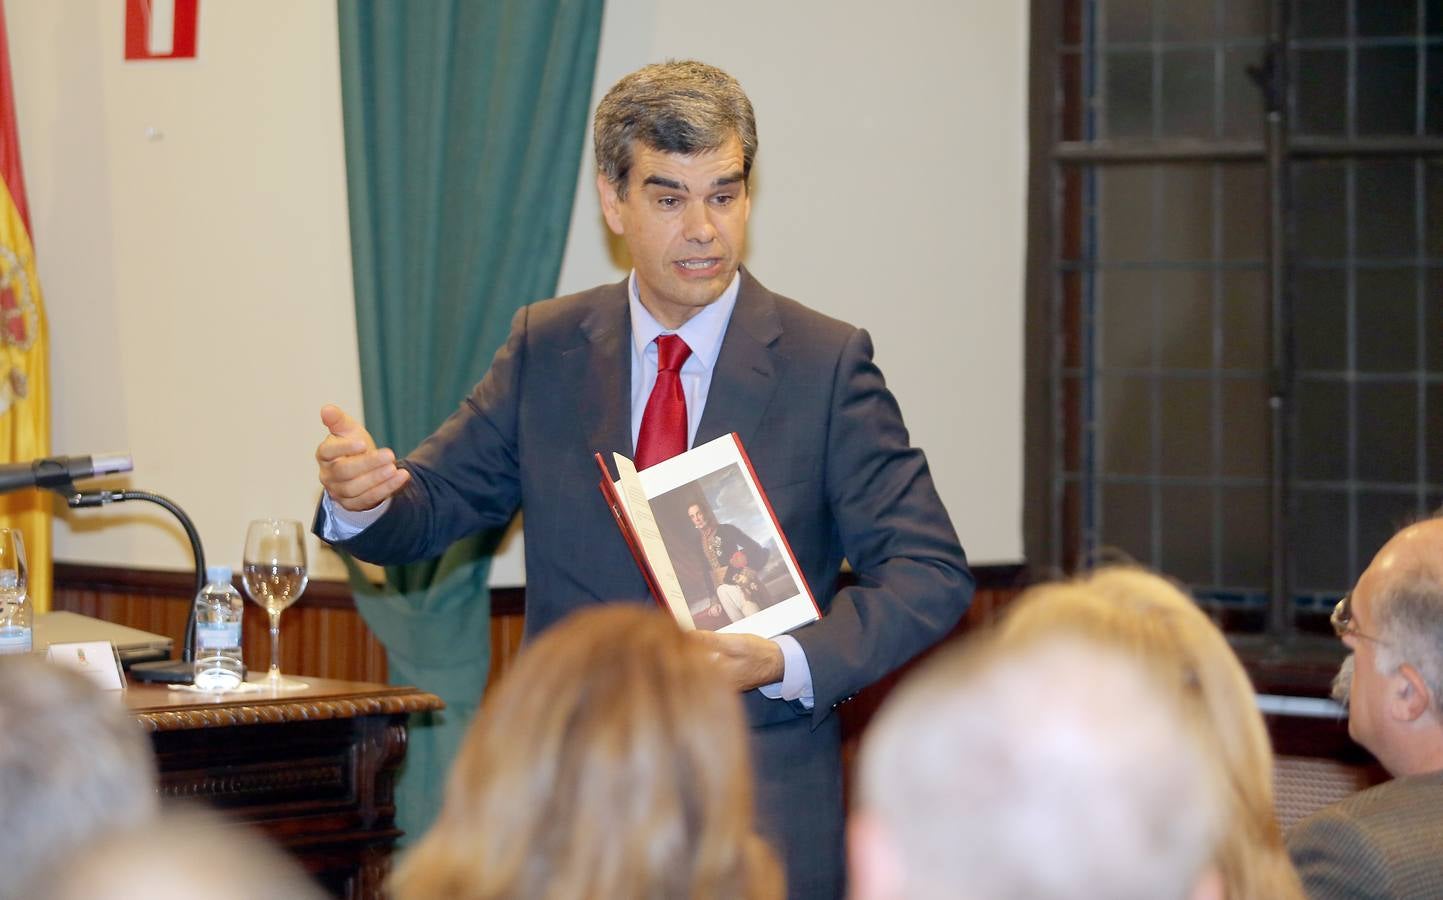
(1388, 841)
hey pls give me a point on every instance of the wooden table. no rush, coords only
(312, 768)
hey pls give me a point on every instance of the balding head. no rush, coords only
(1413, 553)
(1051, 771)
(1395, 680)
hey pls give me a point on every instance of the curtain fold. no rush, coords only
(464, 124)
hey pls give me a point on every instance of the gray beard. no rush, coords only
(1343, 682)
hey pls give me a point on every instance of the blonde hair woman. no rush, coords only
(1147, 615)
(611, 761)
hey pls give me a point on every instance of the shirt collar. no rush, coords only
(703, 332)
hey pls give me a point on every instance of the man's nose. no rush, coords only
(697, 224)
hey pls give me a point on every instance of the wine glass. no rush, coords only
(15, 613)
(273, 571)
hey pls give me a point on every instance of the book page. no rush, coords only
(638, 510)
(724, 540)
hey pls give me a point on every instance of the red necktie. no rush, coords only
(663, 424)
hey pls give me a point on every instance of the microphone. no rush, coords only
(58, 472)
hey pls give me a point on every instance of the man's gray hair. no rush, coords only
(1054, 771)
(73, 764)
(684, 107)
(1408, 614)
(183, 852)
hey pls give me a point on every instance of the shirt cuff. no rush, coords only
(342, 524)
(796, 683)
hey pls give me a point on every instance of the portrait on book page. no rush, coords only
(726, 552)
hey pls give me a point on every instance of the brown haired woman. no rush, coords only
(611, 761)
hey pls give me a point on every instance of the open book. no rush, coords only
(707, 541)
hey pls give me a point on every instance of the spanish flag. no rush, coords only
(24, 372)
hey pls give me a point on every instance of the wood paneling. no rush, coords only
(508, 621)
(323, 634)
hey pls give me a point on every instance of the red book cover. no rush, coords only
(613, 502)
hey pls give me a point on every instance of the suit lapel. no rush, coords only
(600, 367)
(745, 376)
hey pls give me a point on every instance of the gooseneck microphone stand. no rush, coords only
(178, 671)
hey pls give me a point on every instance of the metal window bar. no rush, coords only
(1420, 297)
(1273, 79)
(1280, 149)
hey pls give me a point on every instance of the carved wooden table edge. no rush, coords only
(185, 711)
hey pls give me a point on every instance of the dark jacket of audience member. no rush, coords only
(1385, 842)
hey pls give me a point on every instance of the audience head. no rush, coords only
(1055, 770)
(181, 855)
(1393, 680)
(610, 761)
(1150, 619)
(685, 107)
(73, 764)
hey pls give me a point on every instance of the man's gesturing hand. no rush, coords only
(355, 474)
(745, 660)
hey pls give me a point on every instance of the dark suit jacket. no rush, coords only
(1385, 842)
(827, 442)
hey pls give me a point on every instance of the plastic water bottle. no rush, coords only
(16, 615)
(218, 609)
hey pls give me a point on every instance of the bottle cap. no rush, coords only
(217, 573)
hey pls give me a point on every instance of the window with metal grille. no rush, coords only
(1235, 289)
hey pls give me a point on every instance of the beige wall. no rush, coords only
(191, 229)
(190, 224)
(890, 192)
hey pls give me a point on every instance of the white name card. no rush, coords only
(96, 660)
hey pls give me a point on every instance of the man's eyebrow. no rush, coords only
(672, 184)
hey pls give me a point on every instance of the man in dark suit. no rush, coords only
(674, 145)
(1388, 841)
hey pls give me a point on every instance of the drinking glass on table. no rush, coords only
(273, 571)
(16, 614)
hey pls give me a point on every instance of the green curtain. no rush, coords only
(464, 123)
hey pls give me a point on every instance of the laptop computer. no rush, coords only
(133, 645)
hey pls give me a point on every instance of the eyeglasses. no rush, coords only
(1343, 624)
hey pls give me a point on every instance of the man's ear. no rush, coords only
(1408, 694)
(874, 867)
(610, 203)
